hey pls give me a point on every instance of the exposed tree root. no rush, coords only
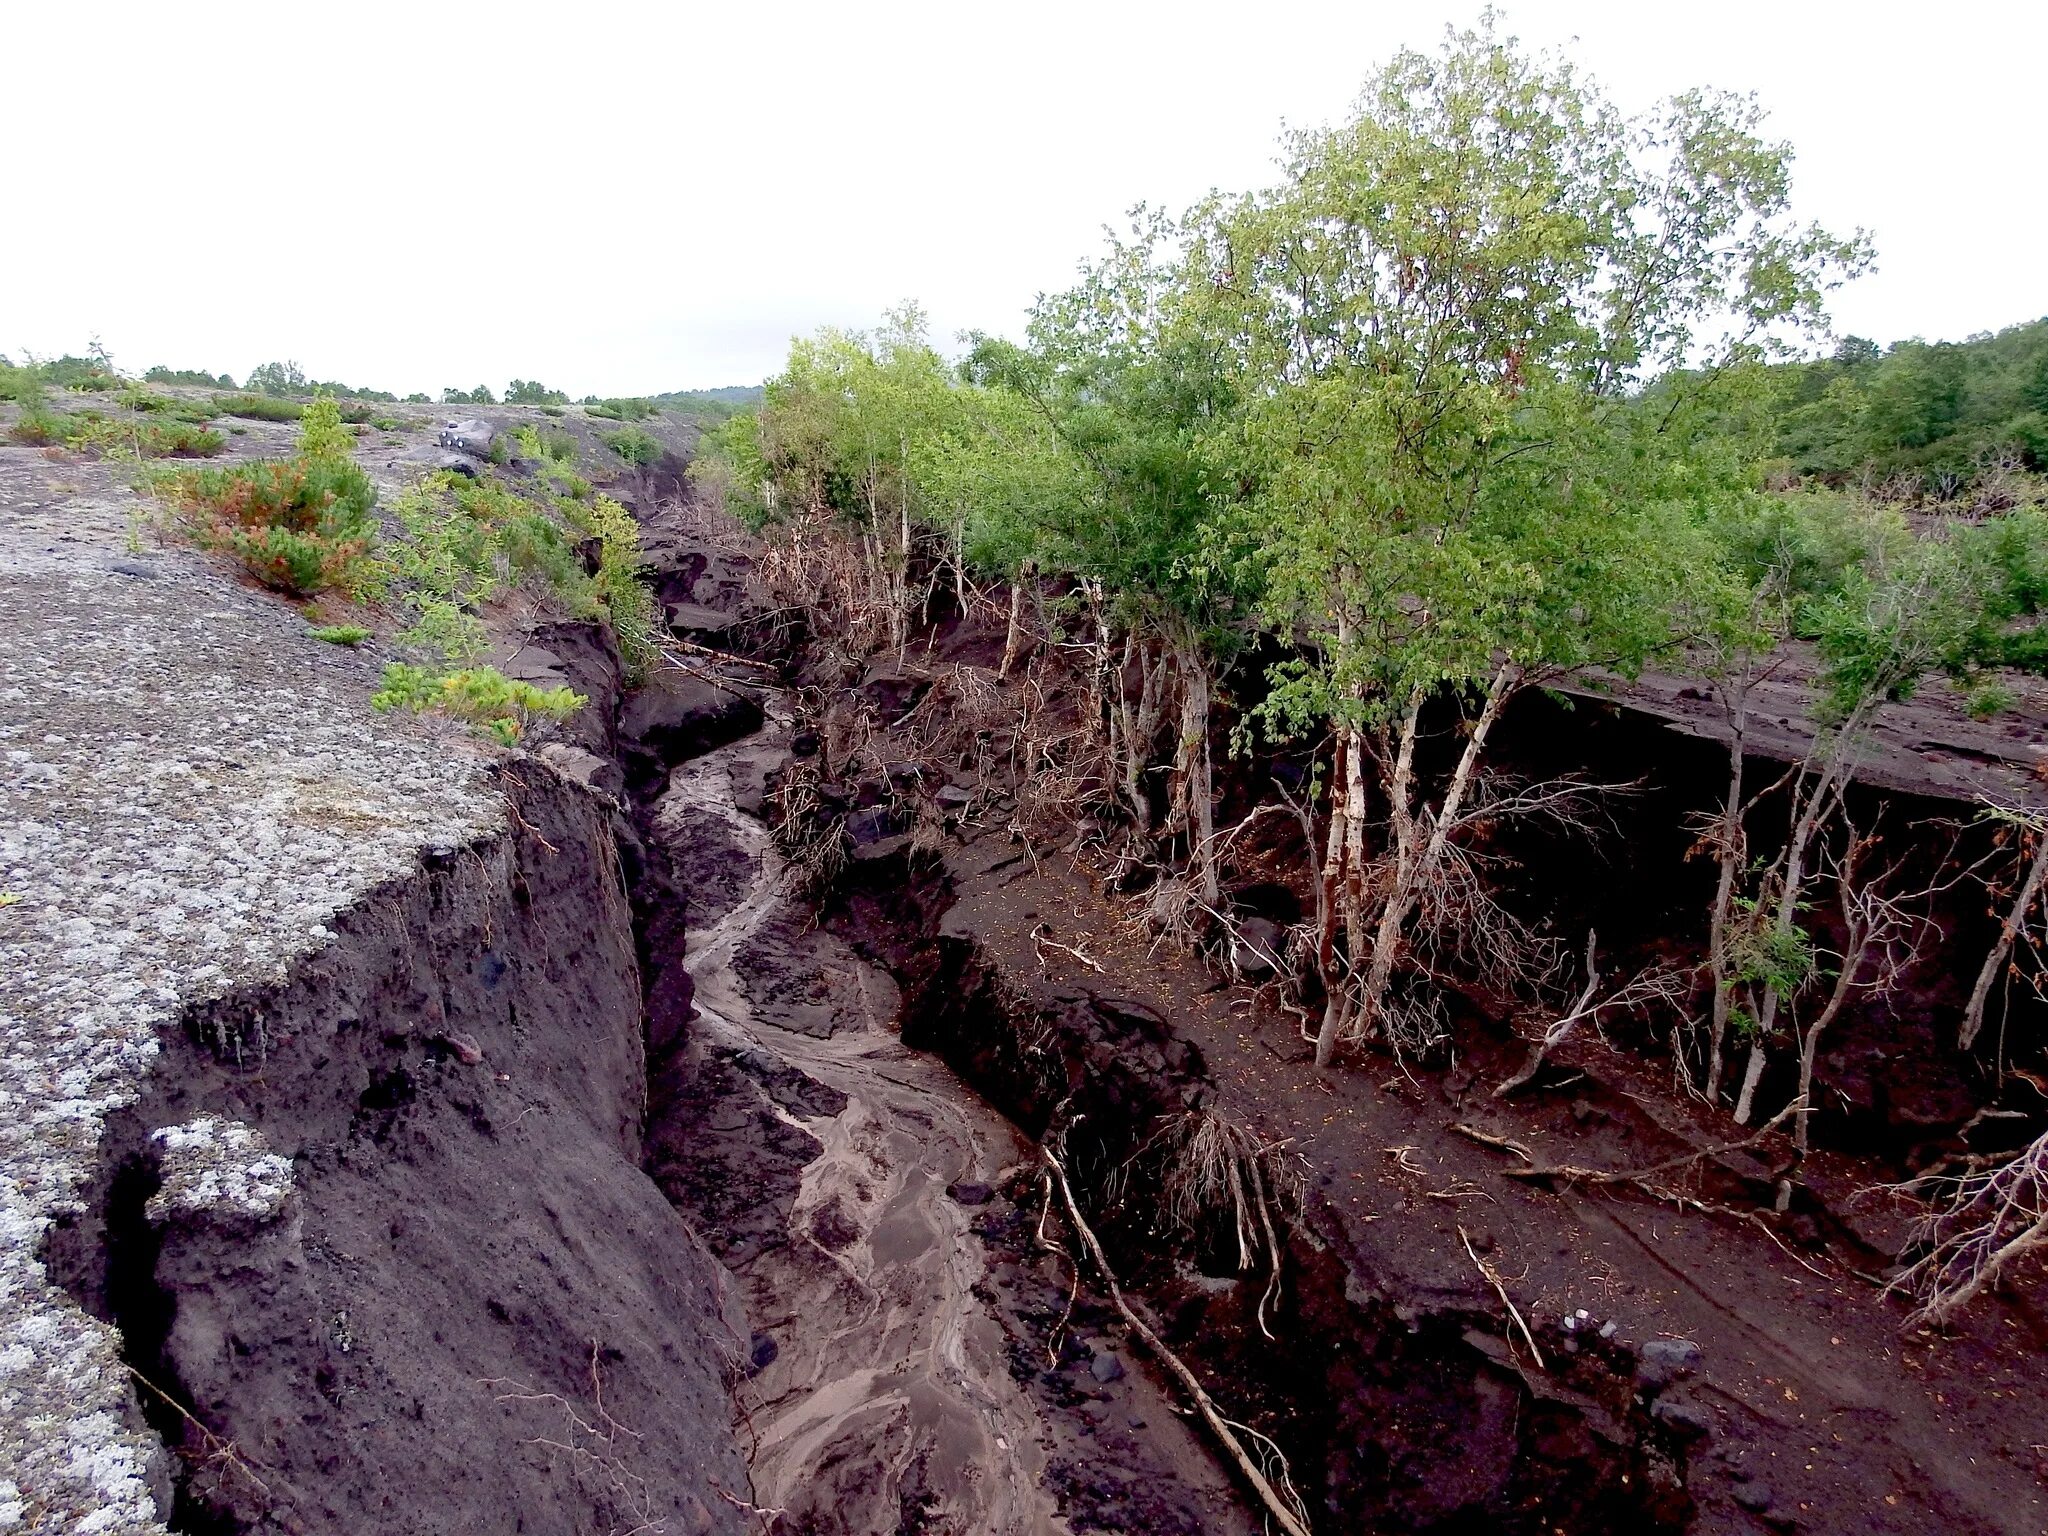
(1282, 1501)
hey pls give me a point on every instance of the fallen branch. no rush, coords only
(1286, 1508)
(1572, 1173)
(1492, 1277)
(1651, 986)
(1042, 940)
(1498, 1143)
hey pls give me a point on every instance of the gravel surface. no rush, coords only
(190, 789)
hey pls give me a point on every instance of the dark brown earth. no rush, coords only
(1396, 1386)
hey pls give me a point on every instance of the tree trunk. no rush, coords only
(2001, 952)
(1199, 788)
(1098, 659)
(1337, 851)
(1411, 871)
(1730, 854)
(1013, 641)
(1745, 1101)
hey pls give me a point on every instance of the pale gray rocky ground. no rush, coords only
(190, 789)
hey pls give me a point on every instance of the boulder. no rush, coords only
(1689, 1421)
(1663, 1361)
(871, 824)
(1105, 1367)
(471, 437)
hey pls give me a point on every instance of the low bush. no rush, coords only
(621, 410)
(634, 446)
(340, 634)
(300, 525)
(629, 606)
(260, 407)
(40, 427)
(144, 439)
(500, 706)
(553, 453)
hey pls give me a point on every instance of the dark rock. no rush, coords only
(970, 1194)
(140, 568)
(470, 437)
(1105, 1368)
(870, 824)
(455, 463)
(804, 744)
(695, 619)
(1754, 1497)
(761, 1353)
(885, 849)
(1663, 1361)
(1687, 1420)
(954, 797)
(678, 717)
(893, 697)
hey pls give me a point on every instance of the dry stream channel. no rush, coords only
(889, 1402)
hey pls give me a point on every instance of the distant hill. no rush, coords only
(712, 405)
(1939, 412)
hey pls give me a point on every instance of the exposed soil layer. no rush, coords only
(914, 1368)
(1714, 1363)
(473, 1310)
(632, 1187)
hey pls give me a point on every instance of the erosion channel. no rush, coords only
(682, 1151)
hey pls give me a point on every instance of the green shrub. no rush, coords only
(551, 410)
(629, 606)
(500, 706)
(634, 445)
(40, 427)
(144, 439)
(260, 407)
(300, 525)
(621, 410)
(554, 455)
(340, 634)
(387, 424)
(199, 376)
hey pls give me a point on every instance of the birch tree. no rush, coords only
(1446, 315)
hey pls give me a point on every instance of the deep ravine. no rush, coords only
(891, 1387)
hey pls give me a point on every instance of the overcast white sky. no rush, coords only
(623, 199)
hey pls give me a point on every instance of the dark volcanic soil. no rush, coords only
(1703, 1339)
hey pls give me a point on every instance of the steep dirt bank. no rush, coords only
(851, 1184)
(1707, 1359)
(463, 1306)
